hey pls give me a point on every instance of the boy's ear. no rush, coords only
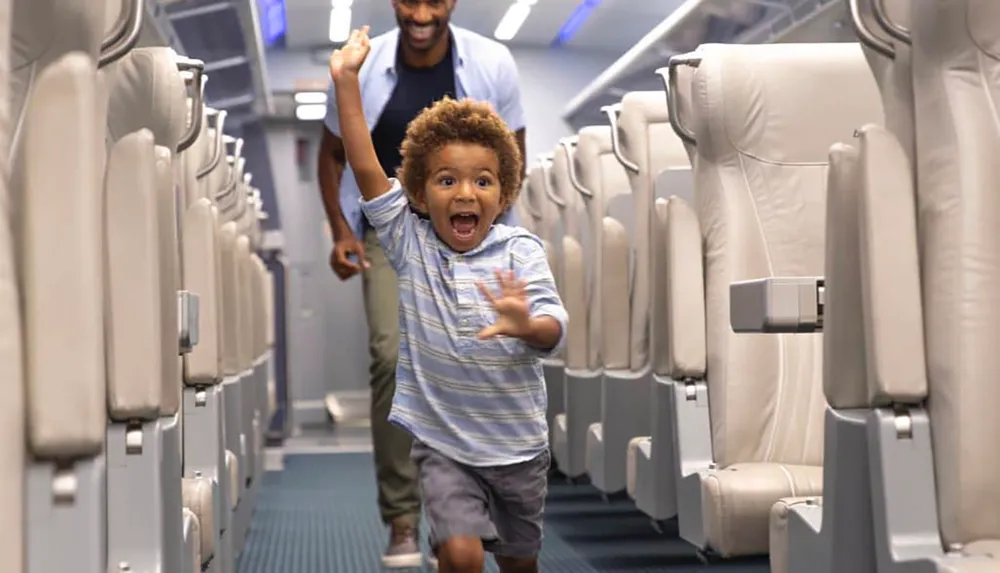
(419, 201)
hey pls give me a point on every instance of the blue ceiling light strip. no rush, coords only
(575, 20)
(271, 14)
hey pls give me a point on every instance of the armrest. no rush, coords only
(777, 305)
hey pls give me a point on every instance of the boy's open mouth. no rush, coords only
(464, 225)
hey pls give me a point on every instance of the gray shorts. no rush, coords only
(502, 505)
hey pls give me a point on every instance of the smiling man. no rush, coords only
(420, 62)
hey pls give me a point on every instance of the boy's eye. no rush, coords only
(446, 181)
(484, 182)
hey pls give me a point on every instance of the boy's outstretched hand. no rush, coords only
(511, 306)
(349, 58)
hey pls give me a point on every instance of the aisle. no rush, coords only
(319, 516)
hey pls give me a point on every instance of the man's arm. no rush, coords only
(330, 167)
(358, 146)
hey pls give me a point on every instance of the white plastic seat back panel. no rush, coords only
(761, 185)
(956, 46)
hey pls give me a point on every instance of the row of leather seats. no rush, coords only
(137, 315)
(783, 272)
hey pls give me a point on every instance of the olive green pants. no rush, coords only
(396, 474)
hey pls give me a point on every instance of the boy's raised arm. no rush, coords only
(344, 66)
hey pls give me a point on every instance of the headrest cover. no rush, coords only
(147, 91)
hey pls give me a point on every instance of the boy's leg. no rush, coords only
(455, 505)
(398, 495)
(517, 508)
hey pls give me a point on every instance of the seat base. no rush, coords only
(66, 516)
(807, 512)
(639, 454)
(625, 414)
(838, 537)
(735, 504)
(656, 460)
(205, 458)
(582, 393)
(137, 496)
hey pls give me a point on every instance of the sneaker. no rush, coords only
(403, 551)
(432, 562)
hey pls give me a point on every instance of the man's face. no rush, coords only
(423, 23)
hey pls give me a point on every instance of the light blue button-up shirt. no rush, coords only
(484, 71)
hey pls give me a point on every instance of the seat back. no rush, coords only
(647, 142)
(574, 291)
(601, 178)
(760, 179)
(146, 91)
(956, 50)
(12, 410)
(58, 214)
(545, 214)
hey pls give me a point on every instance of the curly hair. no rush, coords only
(466, 121)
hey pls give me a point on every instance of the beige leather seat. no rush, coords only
(596, 175)
(835, 532)
(574, 278)
(657, 165)
(245, 386)
(932, 370)
(760, 185)
(208, 465)
(55, 104)
(147, 127)
(545, 221)
(14, 408)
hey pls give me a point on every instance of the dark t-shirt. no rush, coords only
(416, 89)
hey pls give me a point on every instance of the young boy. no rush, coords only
(478, 310)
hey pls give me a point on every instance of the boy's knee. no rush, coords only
(518, 564)
(461, 555)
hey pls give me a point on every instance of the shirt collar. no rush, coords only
(457, 49)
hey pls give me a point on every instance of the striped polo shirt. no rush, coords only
(478, 402)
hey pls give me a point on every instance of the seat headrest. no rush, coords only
(639, 111)
(780, 103)
(146, 90)
(46, 29)
(595, 140)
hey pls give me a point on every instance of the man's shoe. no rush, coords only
(403, 551)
